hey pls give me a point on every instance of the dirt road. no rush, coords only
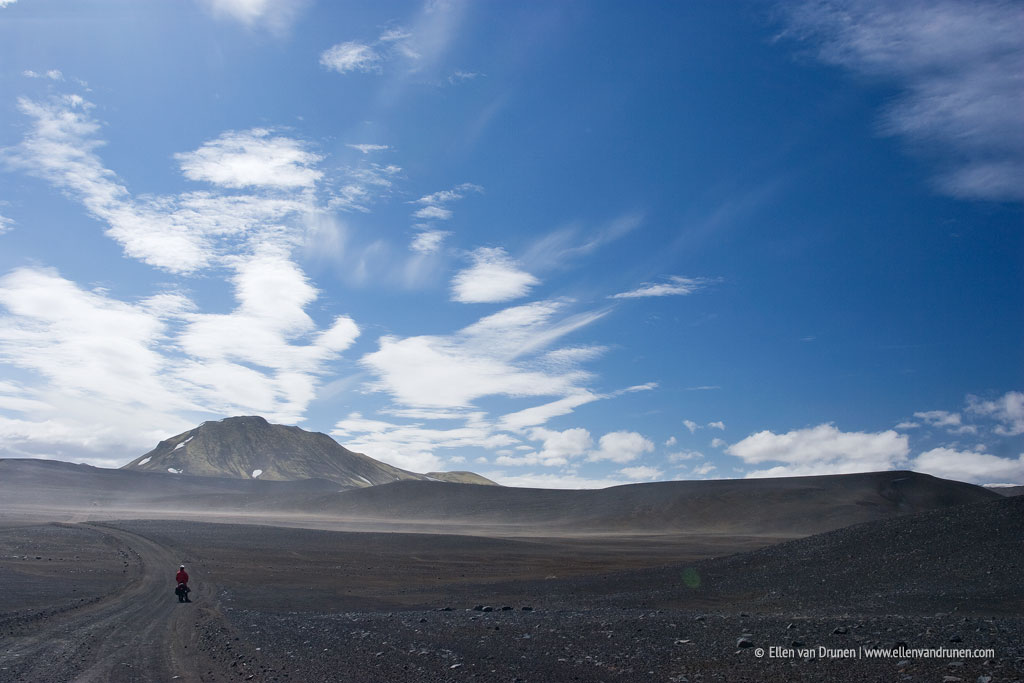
(141, 633)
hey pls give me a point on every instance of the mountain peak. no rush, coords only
(250, 447)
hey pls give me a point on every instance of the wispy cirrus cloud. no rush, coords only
(433, 207)
(275, 15)
(6, 224)
(676, 286)
(958, 67)
(351, 56)
(492, 357)
(366, 148)
(493, 277)
(181, 233)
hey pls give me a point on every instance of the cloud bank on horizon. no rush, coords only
(451, 270)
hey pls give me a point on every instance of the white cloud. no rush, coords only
(978, 468)
(538, 415)
(367, 148)
(350, 56)
(718, 443)
(553, 481)
(683, 456)
(566, 243)
(621, 447)
(677, 286)
(433, 205)
(717, 425)
(252, 158)
(462, 76)
(1007, 409)
(907, 424)
(691, 425)
(671, 442)
(493, 277)
(413, 446)
(428, 241)
(702, 470)
(641, 473)
(180, 234)
(484, 359)
(559, 447)
(117, 375)
(276, 15)
(52, 74)
(821, 450)
(433, 213)
(5, 3)
(939, 418)
(958, 66)
(363, 185)
(5, 224)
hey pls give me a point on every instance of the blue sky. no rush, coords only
(560, 244)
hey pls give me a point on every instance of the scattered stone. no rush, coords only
(744, 641)
(487, 608)
(527, 608)
(955, 639)
(840, 630)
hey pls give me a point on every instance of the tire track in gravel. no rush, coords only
(141, 633)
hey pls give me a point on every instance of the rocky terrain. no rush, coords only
(936, 595)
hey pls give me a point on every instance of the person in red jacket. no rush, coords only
(182, 590)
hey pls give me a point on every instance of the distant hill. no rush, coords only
(252, 448)
(460, 477)
(786, 506)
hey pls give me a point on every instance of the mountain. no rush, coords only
(461, 477)
(252, 448)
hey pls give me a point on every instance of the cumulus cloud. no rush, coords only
(52, 74)
(683, 456)
(252, 158)
(114, 373)
(621, 447)
(493, 277)
(641, 473)
(718, 443)
(821, 450)
(671, 441)
(970, 466)
(428, 241)
(702, 470)
(717, 425)
(957, 65)
(1008, 410)
(413, 446)
(691, 425)
(676, 286)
